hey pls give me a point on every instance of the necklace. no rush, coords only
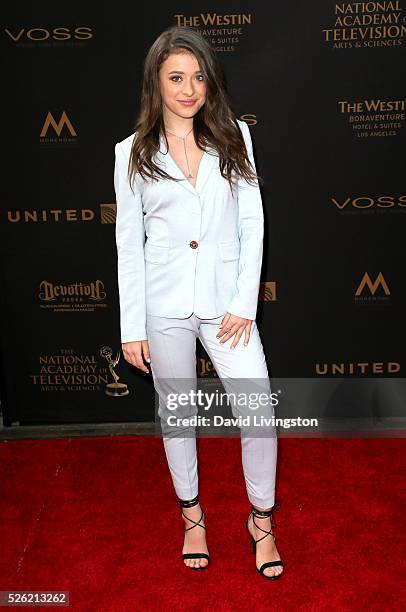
(190, 175)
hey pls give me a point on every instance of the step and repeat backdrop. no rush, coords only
(321, 86)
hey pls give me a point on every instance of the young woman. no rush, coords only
(189, 234)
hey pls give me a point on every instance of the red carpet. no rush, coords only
(84, 515)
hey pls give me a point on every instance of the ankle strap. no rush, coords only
(189, 503)
(261, 513)
(264, 513)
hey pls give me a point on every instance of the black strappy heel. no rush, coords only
(263, 514)
(189, 504)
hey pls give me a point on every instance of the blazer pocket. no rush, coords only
(156, 253)
(229, 250)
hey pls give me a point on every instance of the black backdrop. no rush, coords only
(322, 88)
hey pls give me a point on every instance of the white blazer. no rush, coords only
(183, 249)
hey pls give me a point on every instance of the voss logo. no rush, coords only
(364, 202)
(40, 34)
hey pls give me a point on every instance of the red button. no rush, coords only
(193, 244)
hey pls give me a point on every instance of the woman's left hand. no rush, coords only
(232, 325)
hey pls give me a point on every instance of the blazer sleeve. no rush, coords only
(251, 234)
(130, 241)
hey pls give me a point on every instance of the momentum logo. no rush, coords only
(51, 131)
(371, 288)
(58, 127)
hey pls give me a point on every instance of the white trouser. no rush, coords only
(172, 345)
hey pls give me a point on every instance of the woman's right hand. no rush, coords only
(135, 353)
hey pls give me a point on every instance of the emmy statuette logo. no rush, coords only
(114, 389)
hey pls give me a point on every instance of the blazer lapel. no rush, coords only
(207, 164)
(210, 157)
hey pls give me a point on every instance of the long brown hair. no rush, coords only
(214, 124)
